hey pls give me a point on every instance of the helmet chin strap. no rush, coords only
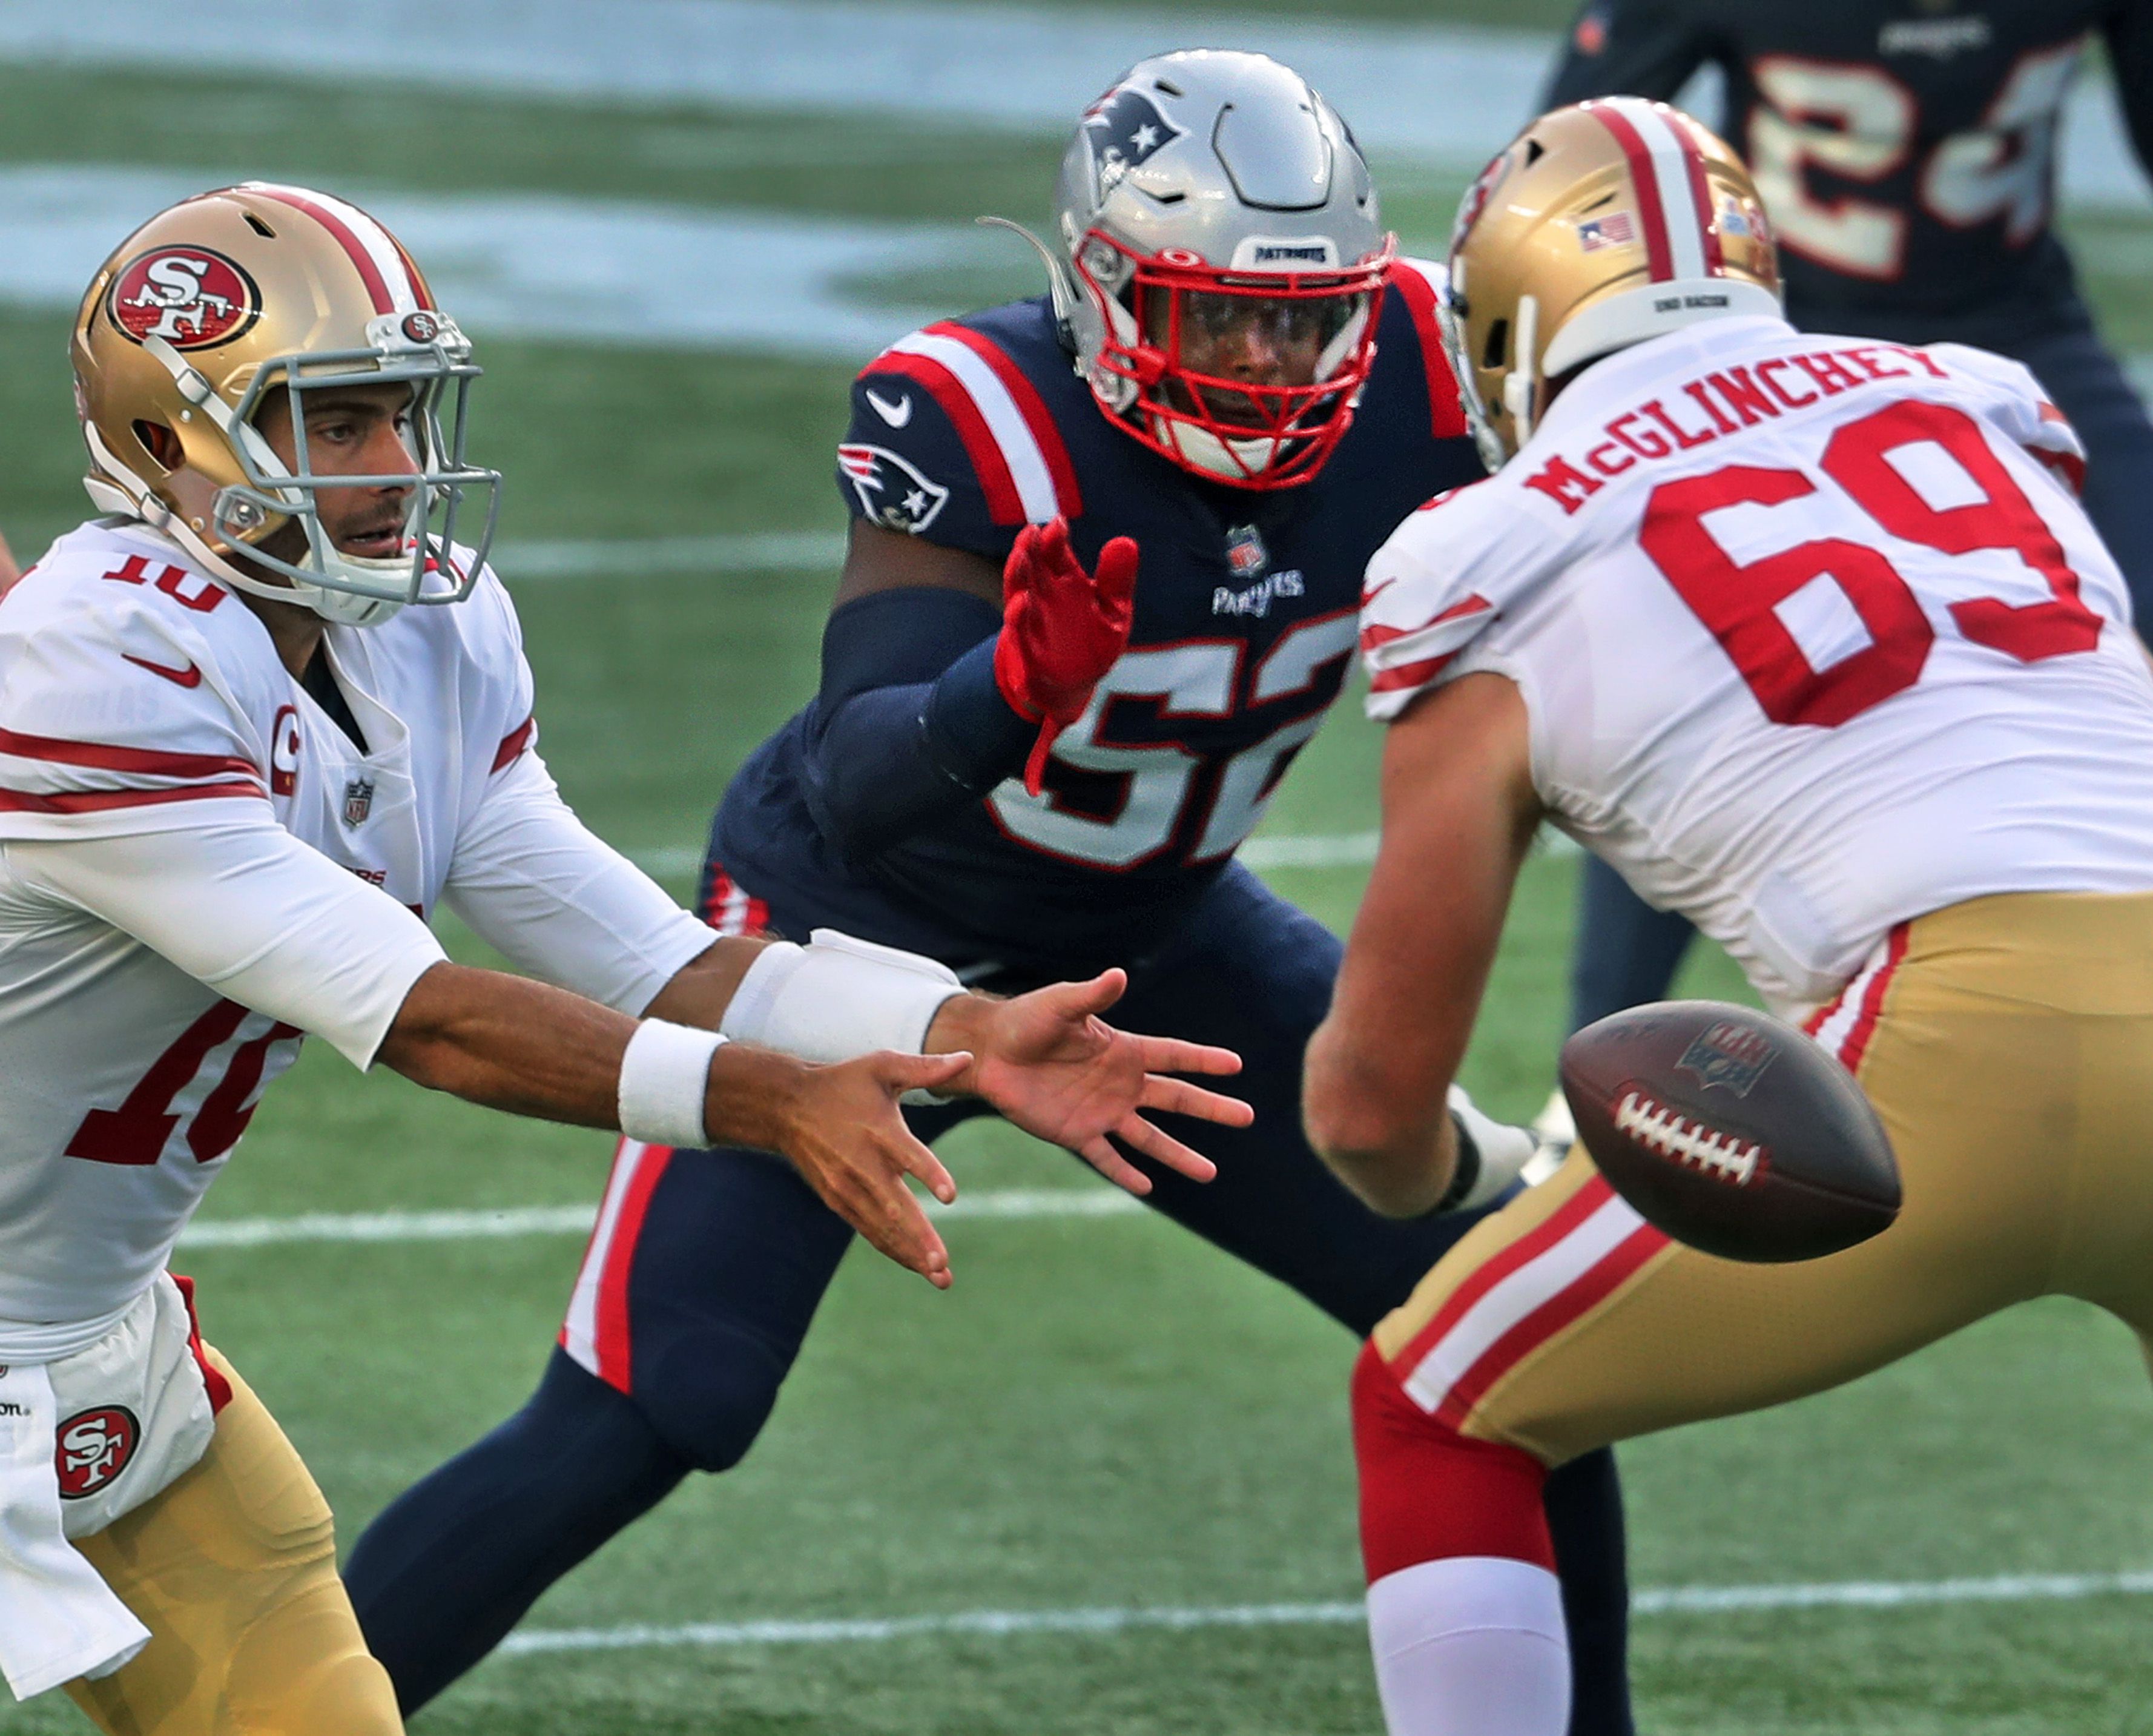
(1521, 385)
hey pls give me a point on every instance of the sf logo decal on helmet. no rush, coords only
(1125, 130)
(189, 297)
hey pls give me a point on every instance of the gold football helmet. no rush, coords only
(1601, 226)
(224, 299)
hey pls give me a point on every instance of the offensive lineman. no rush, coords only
(1809, 637)
(1908, 158)
(236, 769)
(1234, 390)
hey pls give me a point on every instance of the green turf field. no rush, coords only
(1103, 1413)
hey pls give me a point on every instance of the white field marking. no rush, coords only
(1344, 849)
(604, 557)
(583, 271)
(577, 1220)
(1318, 850)
(999, 1624)
(1448, 92)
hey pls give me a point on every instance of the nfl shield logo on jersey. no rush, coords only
(1246, 557)
(1728, 1054)
(358, 802)
(891, 493)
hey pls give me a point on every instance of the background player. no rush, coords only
(240, 756)
(1810, 636)
(1907, 156)
(1234, 372)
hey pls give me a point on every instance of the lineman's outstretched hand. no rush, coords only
(845, 1138)
(1062, 630)
(1052, 1066)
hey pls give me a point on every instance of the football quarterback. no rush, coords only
(258, 722)
(1105, 559)
(1808, 636)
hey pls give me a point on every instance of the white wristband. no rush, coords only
(837, 998)
(664, 1078)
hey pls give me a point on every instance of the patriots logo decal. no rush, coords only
(1127, 130)
(893, 492)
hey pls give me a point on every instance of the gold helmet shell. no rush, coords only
(234, 295)
(1600, 225)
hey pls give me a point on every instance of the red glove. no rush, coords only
(1062, 630)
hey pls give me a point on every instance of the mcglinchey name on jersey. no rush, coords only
(1720, 402)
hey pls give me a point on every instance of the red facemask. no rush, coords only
(1244, 378)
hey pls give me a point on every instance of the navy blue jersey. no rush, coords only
(1246, 603)
(1905, 150)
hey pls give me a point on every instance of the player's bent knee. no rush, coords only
(1429, 1492)
(709, 1406)
(308, 1669)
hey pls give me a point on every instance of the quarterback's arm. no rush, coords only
(533, 880)
(249, 910)
(1628, 48)
(1459, 810)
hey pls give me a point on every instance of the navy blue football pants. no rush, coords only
(701, 1315)
(1627, 953)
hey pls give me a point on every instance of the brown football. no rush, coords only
(1731, 1131)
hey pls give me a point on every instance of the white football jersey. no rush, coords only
(1812, 634)
(143, 710)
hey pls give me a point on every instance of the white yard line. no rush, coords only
(1002, 1203)
(601, 557)
(1001, 1624)
(1448, 92)
(1315, 850)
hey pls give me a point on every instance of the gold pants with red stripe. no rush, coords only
(2007, 1044)
(233, 1572)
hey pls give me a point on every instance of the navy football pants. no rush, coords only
(1627, 952)
(695, 1310)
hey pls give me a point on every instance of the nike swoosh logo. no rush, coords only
(896, 415)
(187, 675)
(1369, 596)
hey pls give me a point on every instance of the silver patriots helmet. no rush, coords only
(1222, 261)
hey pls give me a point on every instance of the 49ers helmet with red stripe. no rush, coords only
(1601, 226)
(221, 301)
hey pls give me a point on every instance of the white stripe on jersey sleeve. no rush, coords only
(1005, 422)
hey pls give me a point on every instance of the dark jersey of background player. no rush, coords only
(1906, 155)
(891, 807)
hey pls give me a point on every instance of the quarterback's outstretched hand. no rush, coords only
(1062, 630)
(845, 1138)
(1052, 1066)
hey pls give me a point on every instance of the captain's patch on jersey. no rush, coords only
(891, 491)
